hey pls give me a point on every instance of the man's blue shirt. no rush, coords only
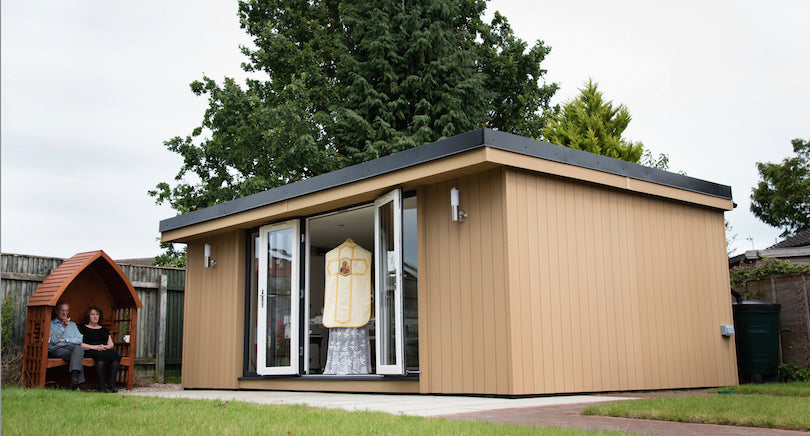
(70, 334)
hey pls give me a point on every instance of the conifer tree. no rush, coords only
(592, 124)
(337, 82)
(411, 74)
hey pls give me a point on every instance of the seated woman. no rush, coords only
(98, 344)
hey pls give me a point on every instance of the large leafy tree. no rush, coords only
(337, 82)
(171, 257)
(590, 123)
(782, 197)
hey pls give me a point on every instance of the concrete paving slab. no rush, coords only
(555, 411)
(416, 405)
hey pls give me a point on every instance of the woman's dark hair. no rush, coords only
(87, 315)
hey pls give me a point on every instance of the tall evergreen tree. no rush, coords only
(592, 124)
(411, 74)
(512, 73)
(347, 81)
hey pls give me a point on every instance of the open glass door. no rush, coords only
(388, 283)
(277, 330)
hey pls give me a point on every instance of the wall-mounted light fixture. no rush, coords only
(209, 263)
(456, 214)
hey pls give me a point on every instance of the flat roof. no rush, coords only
(440, 149)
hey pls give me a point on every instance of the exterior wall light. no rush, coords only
(209, 263)
(456, 214)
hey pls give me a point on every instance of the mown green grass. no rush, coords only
(785, 406)
(795, 389)
(49, 412)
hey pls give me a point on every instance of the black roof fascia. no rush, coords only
(438, 150)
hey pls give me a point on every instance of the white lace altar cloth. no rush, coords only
(348, 352)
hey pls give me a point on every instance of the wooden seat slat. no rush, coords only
(53, 362)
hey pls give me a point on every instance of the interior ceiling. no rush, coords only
(329, 231)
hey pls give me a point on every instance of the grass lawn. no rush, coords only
(51, 411)
(776, 405)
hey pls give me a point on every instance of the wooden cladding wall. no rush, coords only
(613, 291)
(463, 304)
(213, 330)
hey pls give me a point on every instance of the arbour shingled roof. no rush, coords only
(51, 289)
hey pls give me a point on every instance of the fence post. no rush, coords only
(160, 367)
(806, 306)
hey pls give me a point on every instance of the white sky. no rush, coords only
(91, 89)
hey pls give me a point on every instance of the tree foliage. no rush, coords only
(411, 75)
(769, 266)
(592, 124)
(336, 83)
(171, 256)
(782, 197)
(8, 316)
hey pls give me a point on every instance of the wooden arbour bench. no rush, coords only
(54, 362)
(90, 278)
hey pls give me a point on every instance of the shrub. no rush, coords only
(8, 318)
(791, 372)
(740, 275)
(12, 366)
(12, 355)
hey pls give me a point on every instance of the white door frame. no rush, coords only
(385, 264)
(264, 300)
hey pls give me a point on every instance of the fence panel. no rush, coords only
(174, 328)
(793, 293)
(22, 274)
(146, 343)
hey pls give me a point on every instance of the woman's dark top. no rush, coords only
(97, 337)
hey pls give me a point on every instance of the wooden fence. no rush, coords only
(793, 293)
(159, 344)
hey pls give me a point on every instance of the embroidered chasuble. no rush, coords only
(347, 296)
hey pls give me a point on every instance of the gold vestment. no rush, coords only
(347, 296)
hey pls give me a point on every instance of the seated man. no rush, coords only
(64, 343)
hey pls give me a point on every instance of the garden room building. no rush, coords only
(485, 263)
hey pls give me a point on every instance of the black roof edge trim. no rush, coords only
(572, 156)
(438, 150)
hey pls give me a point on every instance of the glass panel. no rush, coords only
(388, 283)
(277, 312)
(254, 296)
(409, 280)
(387, 270)
(279, 297)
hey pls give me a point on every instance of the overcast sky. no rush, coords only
(91, 89)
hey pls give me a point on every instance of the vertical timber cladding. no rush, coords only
(463, 306)
(213, 324)
(610, 290)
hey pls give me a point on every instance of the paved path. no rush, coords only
(417, 405)
(568, 416)
(559, 411)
